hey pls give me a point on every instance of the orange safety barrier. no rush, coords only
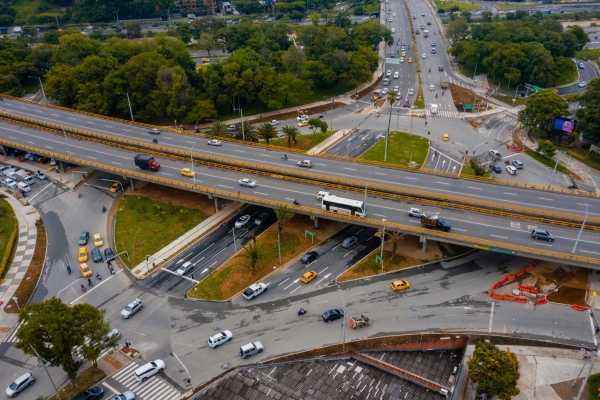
(528, 289)
(509, 297)
(317, 212)
(541, 301)
(521, 299)
(577, 307)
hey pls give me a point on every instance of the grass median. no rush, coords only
(154, 217)
(402, 149)
(235, 275)
(9, 233)
(86, 380)
(546, 160)
(305, 142)
(462, 5)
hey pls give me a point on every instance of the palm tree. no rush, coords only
(218, 129)
(290, 133)
(252, 235)
(252, 254)
(267, 131)
(249, 132)
(394, 237)
(282, 213)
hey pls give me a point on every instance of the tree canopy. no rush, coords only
(494, 371)
(589, 112)
(540, 109)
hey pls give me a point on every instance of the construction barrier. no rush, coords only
(511, 277)
(577, 307)
(521, 299)
(541, 301)
(528, 289)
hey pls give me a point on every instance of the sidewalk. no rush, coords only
(330, 141)
(26, 217)
(141, 270)
(539, 367)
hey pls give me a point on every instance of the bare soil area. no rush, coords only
(462, 96)
(168, 195)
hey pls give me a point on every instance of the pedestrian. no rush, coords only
(127, 343)
(192, 275)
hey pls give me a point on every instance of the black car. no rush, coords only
(333, 314)
(83, 238)
(96, 255)
(495, 168)
(108, 254)
(309, 257)
(542, 234)
(261, 218)
(94, 393)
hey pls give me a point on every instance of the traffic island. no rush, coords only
(236, 274)
(85, 380)
(403, 149)
(302, 142)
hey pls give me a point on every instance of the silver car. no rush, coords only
(415, 212)
(247, 182)
(20, 384)
(305, 164)
(128, 395)
(154, 131)
(132, 308)
(214, 142)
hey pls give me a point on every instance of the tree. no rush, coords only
(540, 108)
(546, 147)
(252, 253)
(393, 237)
(134, 29)
(317, 123)
(494, 371)
(293, 60)
(589, 112)
(457, 29)
(371, 33)
(466, 15)
(487, 16)
(290, 133)
(206, 42)
(219, 129)
(200, 110)
(58, 332)
(267, 131)
(248, 133)
(282, 213)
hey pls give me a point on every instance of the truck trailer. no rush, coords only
(433, 220)
(146, 162)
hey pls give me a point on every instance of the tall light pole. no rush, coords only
(66, 141)
(476, 61)
(343, 319)
(382, 239)
(57, 24)
(234, 246)
(581, 230)
(128, 102)
(41, 85)
(330, 114)
(44, 363)
(366, 184)
(555, 166)
(480, 144)
(117, 16)
(516, 90)
(192, 159)
(189, 379)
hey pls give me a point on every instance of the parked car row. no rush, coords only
(246, 351)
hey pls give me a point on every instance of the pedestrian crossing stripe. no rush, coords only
(440, 113)
(12, 337)
(154, 388)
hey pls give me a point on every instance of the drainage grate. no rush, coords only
(225, 366)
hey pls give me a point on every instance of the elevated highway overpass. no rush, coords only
(553, 204)
(491, 232)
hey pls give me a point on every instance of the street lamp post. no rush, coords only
(366, 184)
(331, 116)
(41, 85)
(518, 86)
(344, 318)
(44, 363)
(480, 144)
(582, 225)
(66, 141)
(192, 159)
(128, 102)
(189, 379)
(234, 246)
(382, 239)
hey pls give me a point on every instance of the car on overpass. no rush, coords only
(542, 234)
(247, 182)
(416, 212)
(304, 163)
(214, 142)
(154, 131)
(187, 172)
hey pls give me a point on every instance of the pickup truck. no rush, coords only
(144, 161)
(23, 176)
(254, 290)
(251, 349)
(432, 220)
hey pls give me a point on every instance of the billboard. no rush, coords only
(564, 124)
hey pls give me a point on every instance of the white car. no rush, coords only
(185, 267)
(274, 122)
(11, 184)
(220, 338)
(39, 175)
(214, 142)
(581, 84)
(415, 212)
(399, 96)
(393, 30)
(390, 20)
(304, 163)
(302, 118)
(411, 91)
(247, 182)
(401, 59)
(384, 91)
(396, 89)
(243, 220)
(254, 290)
(511, 170)
(424, 55)
(433, 44)
(154, 131)
(396, 75)
(388, 73)
(431, 88)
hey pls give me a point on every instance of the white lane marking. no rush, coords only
(543, 198)
(293, 283)
(501, 237)
(379, 173)
(414, 179)
(543, 244)
(512, 194)
(474, 188)
(323, 270)
(228, 187)
(491, 317)
(264, 194)
(591, 252)
(241, 151)
(593, 328)
(295, 289)
(443, 183)
(286, 279)
(321, 302)
(351, 169)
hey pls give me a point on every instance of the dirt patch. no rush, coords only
(165, 194)
(566, 392)
(310, 111)
(462, 96)
(130, 352)
(368, 90)
(30, 280)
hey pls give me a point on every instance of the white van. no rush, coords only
(23, 187)
(386, 81)
(322, 194)
(147, 370)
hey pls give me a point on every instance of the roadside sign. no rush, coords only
(309, 233)
(377, 258)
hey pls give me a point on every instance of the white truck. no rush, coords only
(433, 108)
(191, 17)
(426, 33)
(23, 176)
(251, 349)
(254, 290)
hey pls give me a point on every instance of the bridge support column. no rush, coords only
(4, 151)
(424, 241)
(132, 184)
(216, 204)
(62, 167)
(316, 223)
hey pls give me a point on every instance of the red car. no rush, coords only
(406, 103)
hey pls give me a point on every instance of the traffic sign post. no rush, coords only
(312, 235)
(377, 258)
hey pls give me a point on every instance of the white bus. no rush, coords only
(344, 206)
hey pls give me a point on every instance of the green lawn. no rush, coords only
(402, 147)
(8, 226)
(463, 6)
(27, 8)
(305, 142)
(317, 95)
(145, 226)
(369, 8)
(545, 160)
(588, 158)
(420, 102)
(509, 99)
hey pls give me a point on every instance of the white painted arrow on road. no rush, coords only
(325, 277)
(296, 281)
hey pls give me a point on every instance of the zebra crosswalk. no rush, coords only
(441, 113)
(12, 336)
(153, 389)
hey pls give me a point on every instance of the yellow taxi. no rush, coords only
(98, 242)
(309, 276)
(205, 60)
(302, 123)
(445, 137)
(115, 187)
(403, 54)
(394, 14)
(410, 60)
(85, 270)
(400, 285)
(187, 172)
(83, 254)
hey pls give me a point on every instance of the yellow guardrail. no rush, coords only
(463, 239)
(523, 185)
(407, 194)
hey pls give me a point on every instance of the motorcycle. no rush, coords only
(69, 269)
(112, 271)
(155, 140)
(98, 276)
(83, 288)
(320, 115)
(90, 283)
(284, 157)
(378, 114)
(301, 311)
(80, 195)
(507, 161)
(573, 187)
(296, 202)
(103, 209)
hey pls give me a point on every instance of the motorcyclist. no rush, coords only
(155, 140)
(296, 202)
(69, 269)
(90, 281)
(103, 209)
(436, 95)
(429, 69)
(83, 288)
(285, 156)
